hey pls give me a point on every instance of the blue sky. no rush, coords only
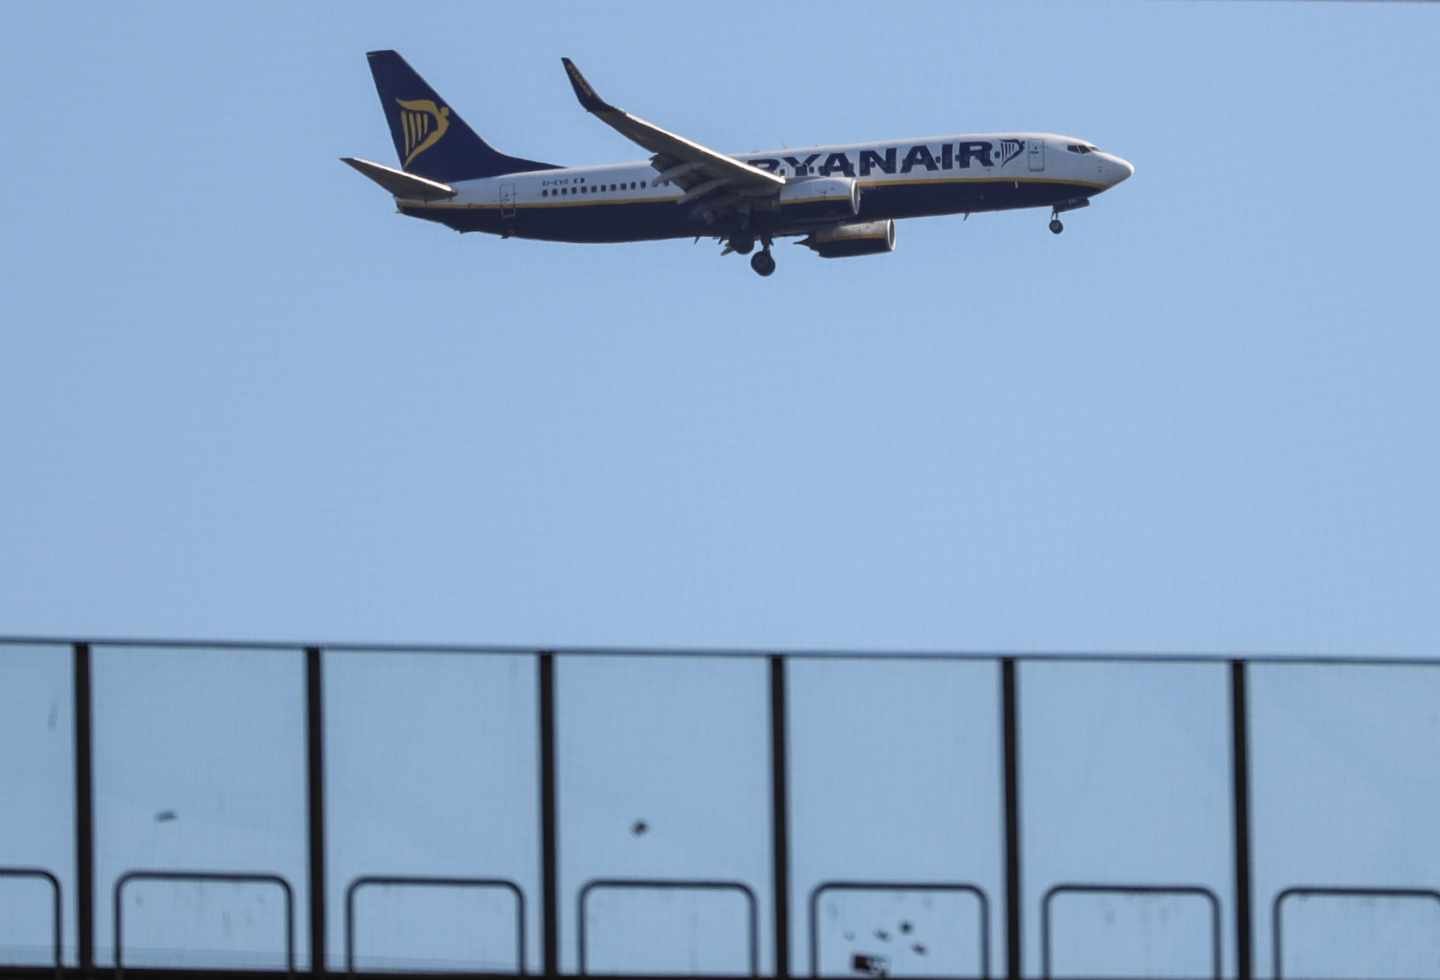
(240, 397)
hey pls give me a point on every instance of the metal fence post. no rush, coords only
(84, 811)
(315, 780)
(549, 860)
(1010, 748)
(780, 816)
(1240, 772)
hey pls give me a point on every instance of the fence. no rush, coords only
(781, 775)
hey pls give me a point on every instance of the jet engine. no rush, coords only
(819, 199)
(859, 238)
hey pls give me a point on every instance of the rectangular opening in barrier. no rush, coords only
(436, 927)
(1323, 934)
(1119, 933)
(899, 930)
(178, 924)
(689, 928)
(28, 910)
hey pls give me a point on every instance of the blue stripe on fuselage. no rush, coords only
(620, 220)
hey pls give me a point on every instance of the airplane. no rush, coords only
(839, 200)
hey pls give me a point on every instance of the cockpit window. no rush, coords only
(1080, 148)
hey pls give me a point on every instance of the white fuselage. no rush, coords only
(953, 174)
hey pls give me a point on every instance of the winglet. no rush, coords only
(583, 91)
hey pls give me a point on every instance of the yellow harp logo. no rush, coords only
(423, 123)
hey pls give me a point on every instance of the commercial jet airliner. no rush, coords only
(844, 200)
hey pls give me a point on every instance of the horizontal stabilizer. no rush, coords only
(401, 184)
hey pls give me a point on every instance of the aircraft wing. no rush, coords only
(698, 169)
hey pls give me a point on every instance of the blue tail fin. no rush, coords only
(430, 137)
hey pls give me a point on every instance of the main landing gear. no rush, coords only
(744, 243)
(763, 262)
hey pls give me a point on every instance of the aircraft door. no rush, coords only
(1035, 154)
(507, 201)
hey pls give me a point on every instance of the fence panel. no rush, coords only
(664, 773)
(894, 777)
(1125, 780)
(1346, 794)
(431, 770)
(37, 787)
(200, 766)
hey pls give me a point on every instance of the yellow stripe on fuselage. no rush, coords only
(865, 182)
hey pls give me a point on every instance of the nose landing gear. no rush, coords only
(1074, 204)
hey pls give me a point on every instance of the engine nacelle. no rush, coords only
(860, 238)
(819, 199)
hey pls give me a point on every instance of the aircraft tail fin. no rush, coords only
(431, 139)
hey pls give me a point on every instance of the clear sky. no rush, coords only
(240, 397)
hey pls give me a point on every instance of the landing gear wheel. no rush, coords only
(1055, 226)
(763, 263)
